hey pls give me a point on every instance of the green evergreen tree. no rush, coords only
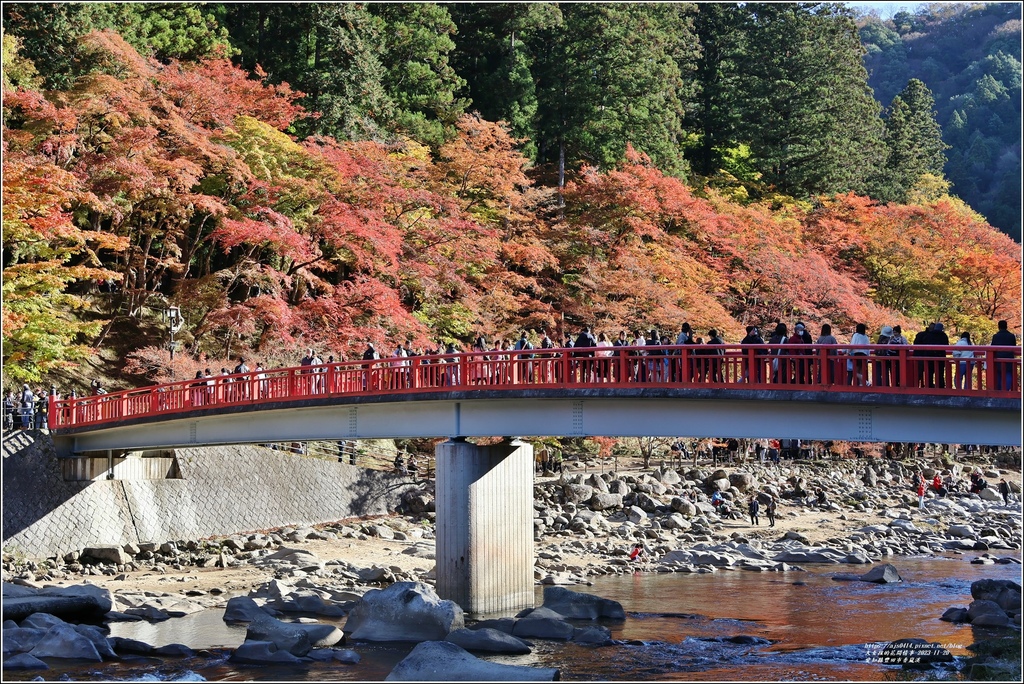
(330, 52)
(715, 116)
(808, 115)
(495, 55)
(417, 75)
(608, 76)
(913, 143)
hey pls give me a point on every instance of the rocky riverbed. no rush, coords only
(585, 525)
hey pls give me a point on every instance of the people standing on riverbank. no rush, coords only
(770, 509)
(920, 492)
(1004, 489)
(637, 552)
(754, 507)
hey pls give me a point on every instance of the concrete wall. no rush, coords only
(221, 490)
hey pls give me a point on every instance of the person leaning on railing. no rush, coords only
(1004, 369)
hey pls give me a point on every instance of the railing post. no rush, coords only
(825, 366)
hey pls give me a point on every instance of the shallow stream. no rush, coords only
(819, 629)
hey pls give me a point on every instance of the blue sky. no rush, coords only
(886, 9)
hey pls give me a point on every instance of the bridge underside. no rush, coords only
(795, 415)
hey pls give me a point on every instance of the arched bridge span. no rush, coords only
(855, 393)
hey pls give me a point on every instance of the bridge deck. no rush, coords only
(812, 375)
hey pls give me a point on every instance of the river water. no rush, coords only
(818, 628)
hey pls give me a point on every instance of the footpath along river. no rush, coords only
(818, 629)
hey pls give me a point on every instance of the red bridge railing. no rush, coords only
(904, 370)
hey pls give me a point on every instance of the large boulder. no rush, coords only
(62, 641)
(242, 609)
(261, 653)
(577, 493)
(104, 554)
(1006, 593)
(21, 640)
(684, 507)
(577, 605)
(71, 605)
(24, 661)
(668, 476)
(809, 556)
(284, 634)
(883, 574)
(602, 502)
(636, 515)
(442, 661)
(741, 481)
(488, 640)
(404, 611)
(987, 613)
(543, 628)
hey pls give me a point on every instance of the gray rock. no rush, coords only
(73, 606)
(983, 607)
(62, 641)
(577, 493)
(635, 515)
(668, 476)
(241, 609)
(99, 639)
(592, 635)
(344, 655)
(404, 611)
(955, 615)
(317, 635)
(21, 640)
(382, 531)
(601, 501)
(105, 554)
(741, 481)
(577, 605)
(883, 574)
(444, 661)
(684, 507)
(24, 661)
(488, 640)
(808, 556)
(501, 624)
(962, 531)
(133, 646)
(721, 484)
(676, 521)
(990, 494)
(543, 628)
(174, 651)
(151, 613)
(260, 653)
(1006, 593)
(43, 621)
(857, 558)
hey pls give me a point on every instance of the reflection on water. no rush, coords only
(816, 627)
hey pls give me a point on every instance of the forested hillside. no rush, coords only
(306, 175)
(969, 56)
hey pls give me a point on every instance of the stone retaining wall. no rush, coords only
(221, 491)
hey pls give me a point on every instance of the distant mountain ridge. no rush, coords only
(969, 56)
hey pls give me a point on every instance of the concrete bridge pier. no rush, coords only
(484, 541)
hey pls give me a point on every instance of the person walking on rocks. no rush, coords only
(1004, 489)
(920, 493)
(754, 507)
(770, 509)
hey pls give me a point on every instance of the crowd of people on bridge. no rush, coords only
(651, 357)
(791, 363)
